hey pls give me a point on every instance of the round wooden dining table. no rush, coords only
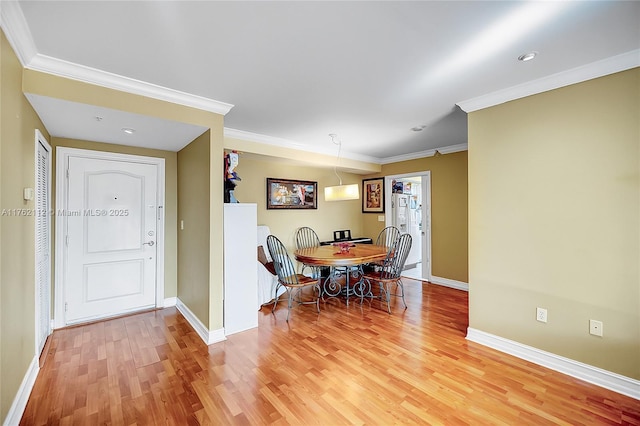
(347, 264)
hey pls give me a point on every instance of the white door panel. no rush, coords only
(121, 196)
(111, 230)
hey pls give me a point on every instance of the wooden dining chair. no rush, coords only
(388, 275)
(288, 278)
(306, 237)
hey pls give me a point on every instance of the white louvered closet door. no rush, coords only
(43, 243)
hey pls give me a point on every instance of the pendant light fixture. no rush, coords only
(340, 192)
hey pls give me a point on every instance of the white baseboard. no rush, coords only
(603, 378)
(459, 285)
(22, 397)
(169, 302)
(208, 337)
(216, 336)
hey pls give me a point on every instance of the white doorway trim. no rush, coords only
(62, 160)
(42, 214)
(426, 215)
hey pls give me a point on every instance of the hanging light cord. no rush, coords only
(336, 141)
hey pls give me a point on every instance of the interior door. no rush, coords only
(43, 241)
(110, 243)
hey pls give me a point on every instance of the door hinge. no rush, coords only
(67, 173)
(66, 306)
(66, 240)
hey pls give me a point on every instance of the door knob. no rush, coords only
(151, 243)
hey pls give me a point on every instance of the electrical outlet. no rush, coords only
(595, 327)
(541, 314)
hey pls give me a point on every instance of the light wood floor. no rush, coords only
(347, 365)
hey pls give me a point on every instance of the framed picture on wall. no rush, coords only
(373, 195)
(291, 194)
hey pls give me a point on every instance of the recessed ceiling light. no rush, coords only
(98, 118)
(128, 130)
(527, 56)
(418, 128)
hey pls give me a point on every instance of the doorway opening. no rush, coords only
(409, 209)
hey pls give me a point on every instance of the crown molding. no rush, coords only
(597, 69)
(15, 27)
(109, 80)
(428, 153)
(286, 143)
(17, 31)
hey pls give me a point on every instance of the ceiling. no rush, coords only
(290, 73)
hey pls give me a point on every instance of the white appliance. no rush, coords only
(400, 212)
(406, 216)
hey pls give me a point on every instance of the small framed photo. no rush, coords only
(291, 194)
(373, 195)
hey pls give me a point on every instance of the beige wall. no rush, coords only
(328, 217)
(449, 224)
(554, 219)
(18, 122)
(193, 240)
(171, 198)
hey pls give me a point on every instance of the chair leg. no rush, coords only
(384, 292)
(402, 292)
(389, 300)
(290, 301)
(275, 302)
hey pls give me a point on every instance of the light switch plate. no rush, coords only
(27, 194)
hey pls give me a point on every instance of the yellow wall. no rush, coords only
(171, 198)
(554, 219)
(449, 224)
(193, 240)
(18, 122)
(328, 217)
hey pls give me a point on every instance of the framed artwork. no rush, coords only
(291, 194)
(373, 195)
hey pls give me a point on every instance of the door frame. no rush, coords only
(62, 160)
(425, 178)
(41, 140)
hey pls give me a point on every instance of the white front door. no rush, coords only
(111, 216)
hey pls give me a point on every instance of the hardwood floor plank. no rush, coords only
(351, 364)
